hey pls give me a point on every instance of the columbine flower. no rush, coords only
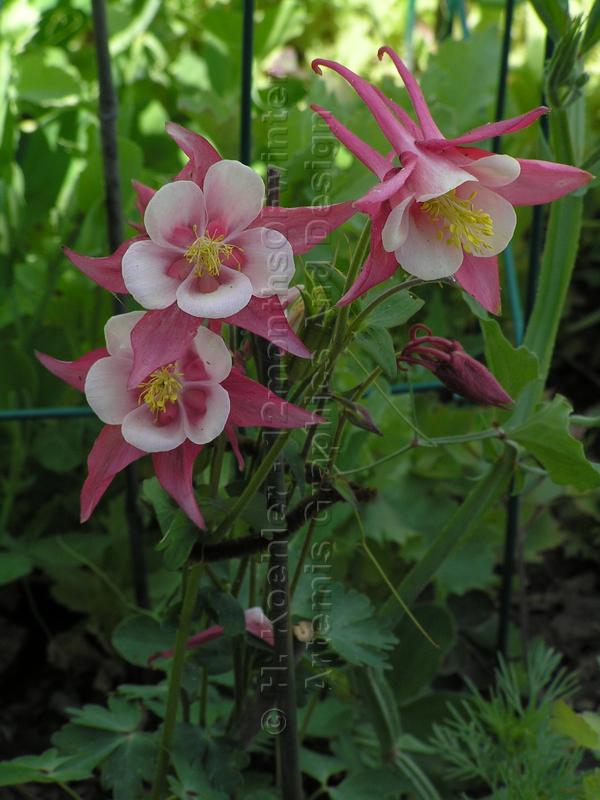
(449, 209)
(257, 624)
(456, 369)
(171, 413)
(210, 270)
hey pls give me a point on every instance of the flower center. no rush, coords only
(162, 387)
(462, 224)
(207, 253)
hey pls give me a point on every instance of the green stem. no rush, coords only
(67, 789)
(216, 465)
(400, 287)
(253, 484)
(183, 633)
(358, 257)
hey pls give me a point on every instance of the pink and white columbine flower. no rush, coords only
(449, 209)
(302, 228)
(171, 414)
(201, 253)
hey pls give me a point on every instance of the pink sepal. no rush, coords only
(385, 190)
(160, 338)
(304, 227)
(143, 194)
(479, 277)
(174, 470)
(199, 150)
(253, 405)
(265, 316)
(542, 182)
(106, 270)
(108, 456)
(379, 266)
(72, 372)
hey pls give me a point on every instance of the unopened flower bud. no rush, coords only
(454, 367)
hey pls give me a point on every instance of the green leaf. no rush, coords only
(417, 662)
(592, 33)
(47, 84)
(514, 367)
(386, 784)
(591, 785)
(554, 14)
(164, 508)
(546, 436)
(132, 763)
(13, 566)
(378, 344)
(58, 447)
(178, 541)
(138, 637)
(230, 614)
(352, 630)
(121, 716)
(48, 767)
(319, 766)
(568, 723)
(396, 310)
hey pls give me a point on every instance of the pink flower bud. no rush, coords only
(455, 368)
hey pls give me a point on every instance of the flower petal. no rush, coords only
(495, 170)
(143, 196)
(105, 271)
(106, 389)
(117, 332)
(408, 122)
(230, 433)
(487, 131)
(267, 260)
(423, 254)
(174, 470)
(305, 227)
(228, 294)
(395, 230)
(234, 195)
(175, 208)
(199, 150)
(145, 266)
(214, 353)
(479, 277)
(160, 338)
(390, 126)
(206, 407)
(430, 129)
(141, 430)
(500, 210)
(254, 405)
(370, 157)
(542, 182)
(108, 456)
(266, 317)
(72, 372)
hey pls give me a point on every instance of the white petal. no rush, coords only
(176, 207)
(232, 292)
(395, 230)
(500, 210)
(267, 260)
(424, 255)
(145, 266)
(495, 170)
(206, 411)
(106, 389)
(117, 332)
(234, 195)
(140, 429)
(214, 353)
(435, 175)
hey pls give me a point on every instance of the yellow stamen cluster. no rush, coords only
(162, 387)
(207, 254)
(462, 224)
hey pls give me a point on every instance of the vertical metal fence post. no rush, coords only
(108, 111)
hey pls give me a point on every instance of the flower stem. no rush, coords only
(183, 632)
(399, 287)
